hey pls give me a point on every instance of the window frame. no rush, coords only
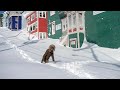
(33, 15)
(43, 14)
(53, 29)
(80, 18)
(70, 20)
(74, 19)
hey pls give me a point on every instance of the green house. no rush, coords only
(103, 28)
(54, 25)
(1, 17)
(72, 28)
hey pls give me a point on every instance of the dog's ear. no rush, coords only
(52, 47)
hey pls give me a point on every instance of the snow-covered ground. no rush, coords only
(88, 62)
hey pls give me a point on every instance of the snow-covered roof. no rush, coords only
(26, 13)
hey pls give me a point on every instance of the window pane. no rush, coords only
(59, 26)
(40, 35)
(80, 18)
(34, 27)
(43, 14)
(72, 42)
(64, 27)
(33, 16)
(74, 19)
(40, 14)
(70, 21)
(44, 35)
(56, 27)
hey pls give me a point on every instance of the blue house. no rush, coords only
(15, 20)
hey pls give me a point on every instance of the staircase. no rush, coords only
(63, 38)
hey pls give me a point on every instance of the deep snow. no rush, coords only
(90, 61)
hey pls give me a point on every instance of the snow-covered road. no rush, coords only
(14, 66)
(90, 62)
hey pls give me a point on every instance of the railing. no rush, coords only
(63, 36)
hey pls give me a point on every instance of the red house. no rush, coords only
(37, 24)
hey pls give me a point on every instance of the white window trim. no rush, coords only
(58, 26)
(53, 31)
(29, 27)
(42, 14)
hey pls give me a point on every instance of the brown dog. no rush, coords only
(49, 52)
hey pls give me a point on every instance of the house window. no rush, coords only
(34, 27)
(74, 19)
(64, 24)
(80, 18)
(43, 14)
(28, 19)
(41, 35)
(32, 16)
(30, 29)
(40, 13)
(63, 27)
(52, 13)
(69, 18)
(73, 42)
(58, 26)
(44, 34)
(50, 29)
(53, 27)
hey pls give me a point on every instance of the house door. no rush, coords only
(73, 43)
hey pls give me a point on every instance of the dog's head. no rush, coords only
(52, 47)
